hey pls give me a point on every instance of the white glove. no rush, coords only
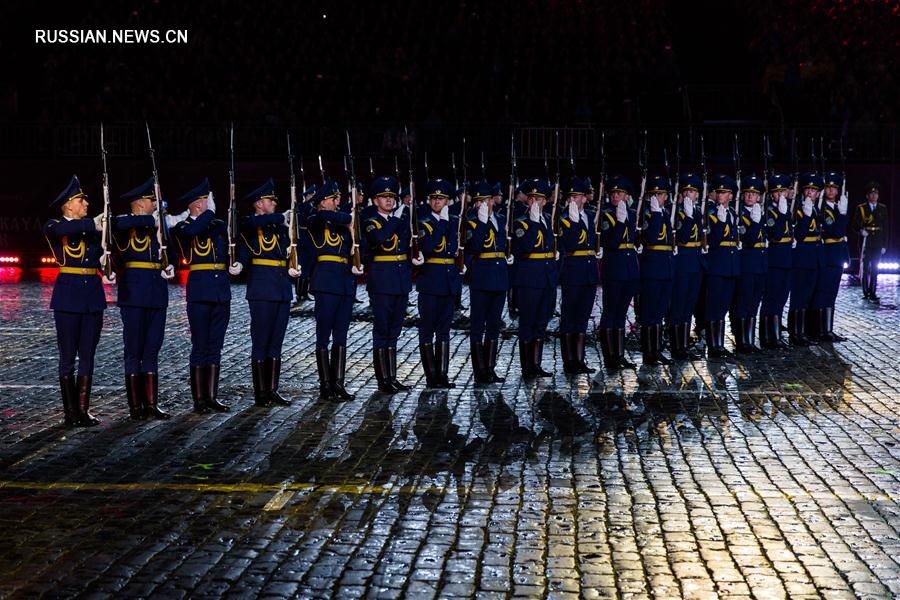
(782, 204)
(574, 215)
(639, 249)
(883, 250)
(295, 273)
(168, 272)
(793, 243)
(621, 212)
(398, 212)
(688, 205)
(418, 260)
(173, 220)
(807, 206)
(111, 279)
(654, 204)
(863, 233)
(287, 216)
(483, 212)
(739, 245)
(534, 213)
(98, 222)
(358, 271)
(510, 259)
(756, 213)
(842, 204)
(236, 268)
(210, 202)
(675, 251)
(704, 250)
(444, 215)
(722, 213)
(600, 253)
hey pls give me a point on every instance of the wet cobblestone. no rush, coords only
(776, 475)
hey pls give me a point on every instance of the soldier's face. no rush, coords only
(692, 194)
(811, 193)
(328, 204)
(662, 197)
(579, 199)
(76, 208)
(200, 205)
(539, 200)
(616, 197)
(384, 203)
(266, 206)
(437, 203)
(831, 192)
(142, 206)
(723, 197)
(872, 197)
(750, 198)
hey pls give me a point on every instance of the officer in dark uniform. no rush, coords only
(390, 277)
(78, 300)
(619, 271)
(780, 235)
(305, 253)
(723, 262)
(520, 209)
(438, 283)
(143, 299)
(203, 241)
(870, 219)
(807, 257)
(264, 248)
(535, 277)
(752, 280)
(689, 264)
(657, 267)
(835, 255)
(488, 282)
(579, 276)
(334, 286)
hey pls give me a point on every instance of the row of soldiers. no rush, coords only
(681, 260)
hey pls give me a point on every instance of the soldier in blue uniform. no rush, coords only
(488, 282)
(689, 265)
(264, 248)
(519, 210)
(305, 254)
(535, 277)
(390, 277)
(657, 267)
(579, 276)
(835, 255)
(203, 241)
(78, 300)
(619, 271)
(752, 280)
(780, 235)
(438, 283)
(870, 220)
(334, 286)
(806, 257)
(723, 262)
(143, 299)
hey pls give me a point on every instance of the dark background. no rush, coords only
(798, 71)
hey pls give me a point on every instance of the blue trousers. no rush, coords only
(617, 295)
(143, 330)
(803, 286)
(748, 295)
(719, 294)
(777, 289)
(435, 317)
(535, 310)
(575, 310)
(685, 293)
(333, 312)
(656, 295)
(208, 322)
(77, 334)
(827, 286)
(486, 314)
(268, 322)
(388, 312)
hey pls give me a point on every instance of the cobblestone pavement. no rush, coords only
(774, 476)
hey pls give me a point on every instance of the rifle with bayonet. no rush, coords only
(460, 257)
(736, 156)
(292, 259)
(642, 163)
(554, 222)
(413, 216)
(511, 197)
(232, 205)
(601, 188)
(162, 232)
(704, 215)
(106, 241)
(355, 232)
(822, 159)
(795, 155)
